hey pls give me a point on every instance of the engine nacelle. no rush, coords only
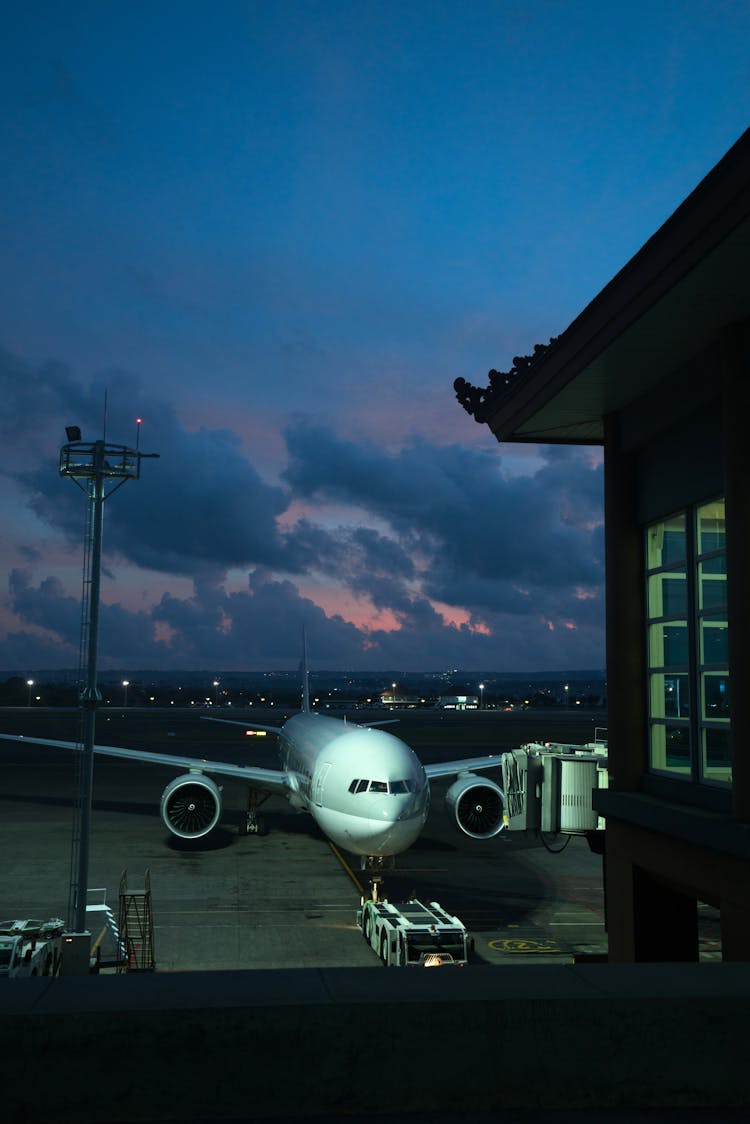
(477, 805)
(191, 805)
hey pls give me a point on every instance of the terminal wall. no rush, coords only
(237, 1045)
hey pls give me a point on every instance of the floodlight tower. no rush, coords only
(93, 466)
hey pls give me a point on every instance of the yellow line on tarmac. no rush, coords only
(346, 866)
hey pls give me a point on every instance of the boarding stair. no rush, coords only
(136, 927)
(107, 947)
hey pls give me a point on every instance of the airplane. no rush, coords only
(365, 788)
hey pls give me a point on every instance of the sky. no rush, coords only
(277, 232)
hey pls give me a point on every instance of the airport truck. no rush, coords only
(30, 948)
(414, 935)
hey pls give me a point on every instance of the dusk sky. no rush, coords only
(278, 232)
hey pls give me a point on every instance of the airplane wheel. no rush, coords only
(256, 828)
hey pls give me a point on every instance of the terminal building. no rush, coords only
(656, 371)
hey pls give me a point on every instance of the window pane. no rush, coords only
(716, 695)
(710, 524)
(668, 644)
(675, 644)
(714, 641)
(717, 763)
(712, 581)
(667, 594)
(670, 748)
(666, 542)
(670, 696)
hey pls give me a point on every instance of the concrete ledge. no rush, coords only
(213, 1045)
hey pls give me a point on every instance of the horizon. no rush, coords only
(388, 673)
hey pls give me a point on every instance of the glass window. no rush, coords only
(714, 638)
(687, 644)
(670, 696)
(667, 542)
(717, 765)
(710, 527)
(715, 695)
(712, 584)
(667, 594)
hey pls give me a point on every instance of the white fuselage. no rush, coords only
(365, 788)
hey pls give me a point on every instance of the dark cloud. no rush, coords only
(455, 506)
(47, 606)
(200, 506)
(360, 557)
(476, 567)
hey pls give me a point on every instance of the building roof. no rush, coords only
(667, 305)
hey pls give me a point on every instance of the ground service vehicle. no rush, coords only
(30, 948)
(414, 935)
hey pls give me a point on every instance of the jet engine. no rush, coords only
(191, 805)
(477, 806)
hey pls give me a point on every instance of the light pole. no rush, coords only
(567, 688)
(125, 685)
(98, 468)
(29, 684)
(216, 692)
(481, 696)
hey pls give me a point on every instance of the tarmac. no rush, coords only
(286, 898)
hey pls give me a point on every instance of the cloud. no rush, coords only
(455, 506)
(452, 559)
(200, 506)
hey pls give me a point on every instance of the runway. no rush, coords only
(283, 900)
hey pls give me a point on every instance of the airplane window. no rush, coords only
(378, 786)
(400, 786)
(353, 786)
(362, 786)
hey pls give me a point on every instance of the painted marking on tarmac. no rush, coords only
(346, 867)
(524, 946)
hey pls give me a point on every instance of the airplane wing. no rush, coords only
(453, 768)
(267, 780)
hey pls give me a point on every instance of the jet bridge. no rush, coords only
(548, 786)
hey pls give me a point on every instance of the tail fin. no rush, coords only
(305, 675)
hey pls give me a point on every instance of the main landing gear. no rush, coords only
(254, 824)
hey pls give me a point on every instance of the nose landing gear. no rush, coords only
(375, 866)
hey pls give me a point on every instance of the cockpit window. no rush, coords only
(382, 786)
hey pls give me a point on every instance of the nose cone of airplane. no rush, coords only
(386, 815)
